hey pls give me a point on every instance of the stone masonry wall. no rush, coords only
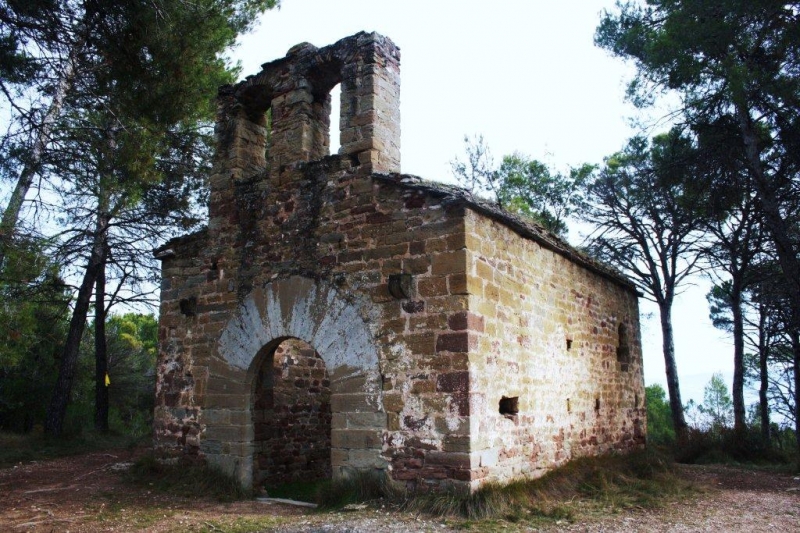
(546, 332)
(332, 225)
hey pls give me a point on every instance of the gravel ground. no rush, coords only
(87, 494)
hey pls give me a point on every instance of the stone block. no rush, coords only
(236, 400)
(421, 343)
(393, 402)
(458, 284)
(348, 384)
(457, 382)
(453, 342)
(422, 387)
(465, 320)
(350, 403)
(355, 438)
(457, 443)
(393, 421)
(488, 458)
(432, 286)
(216, 417)
(373, 420)
(365, 459)
(449, 459)
(449, 263)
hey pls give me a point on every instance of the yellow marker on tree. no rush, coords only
(108, 380)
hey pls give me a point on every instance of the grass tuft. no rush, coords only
(358, 487)
(188, 479)
(643, 479)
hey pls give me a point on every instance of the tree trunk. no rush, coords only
(763, 370)
(100, 351)
(776, 224)
(57, 410)
(739, 423)
(675, 403)
(778, 229)
(795, 334)
(34, 160)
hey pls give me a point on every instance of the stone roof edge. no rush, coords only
(525, 228)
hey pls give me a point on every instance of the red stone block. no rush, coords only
(465, 320)
(453, 382)
(452, 342)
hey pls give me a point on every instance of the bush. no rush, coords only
(34, 446)
(725, 445)
(659, 418)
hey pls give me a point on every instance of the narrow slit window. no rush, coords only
(334, 129)
(623, 349)
(267, 132)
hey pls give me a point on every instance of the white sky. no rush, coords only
(526, 75)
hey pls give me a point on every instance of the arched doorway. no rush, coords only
(339, 327)
(291, 416)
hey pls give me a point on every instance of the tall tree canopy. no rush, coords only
(647, 213)
(107, 101)
(161, 59)
(523, 185)
(736, 66)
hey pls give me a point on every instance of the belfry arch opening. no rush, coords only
(291, 415)
(336, 110)
(297, 122)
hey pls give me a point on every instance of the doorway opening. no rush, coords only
(291, 416)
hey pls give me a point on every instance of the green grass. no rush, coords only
(588, 485)
(335, 494)
(304, 491)
(191, 480)
(359, 487)
(21, 448)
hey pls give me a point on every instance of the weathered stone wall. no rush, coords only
(292, 417)
(338, 229)
(545, 332)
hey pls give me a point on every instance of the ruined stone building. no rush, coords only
(336, 315)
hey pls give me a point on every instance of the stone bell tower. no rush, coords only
(281, 116)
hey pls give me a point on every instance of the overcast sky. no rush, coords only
(524, 74)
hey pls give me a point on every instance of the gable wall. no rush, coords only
(329, 223)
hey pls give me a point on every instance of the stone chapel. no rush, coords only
(338, 316)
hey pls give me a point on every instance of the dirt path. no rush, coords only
(87, 494)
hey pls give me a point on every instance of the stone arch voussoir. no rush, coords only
(337, 328)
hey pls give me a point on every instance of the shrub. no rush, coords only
(659, 419)
(726, 445)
